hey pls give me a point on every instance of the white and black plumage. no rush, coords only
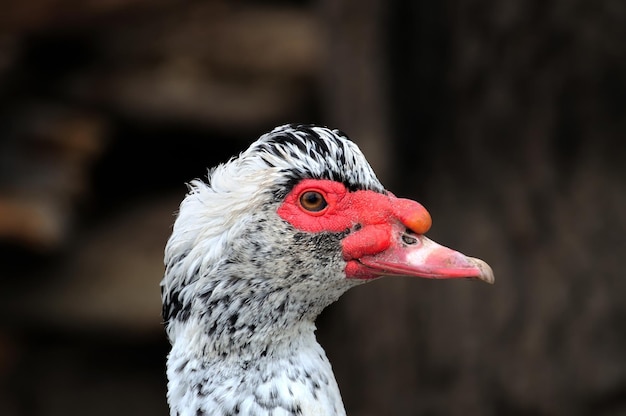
(276, 235)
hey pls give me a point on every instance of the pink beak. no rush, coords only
(398, 247)
(416, 255)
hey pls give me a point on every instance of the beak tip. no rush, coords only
(486, 272)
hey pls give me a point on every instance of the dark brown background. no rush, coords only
(506, 118)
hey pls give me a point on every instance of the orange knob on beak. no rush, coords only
(413, 215)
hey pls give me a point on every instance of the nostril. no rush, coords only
(408, 238)
(357, 227)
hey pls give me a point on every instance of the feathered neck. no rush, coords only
(247, 318)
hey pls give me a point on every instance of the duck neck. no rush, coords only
(239, 333)
(254, 323)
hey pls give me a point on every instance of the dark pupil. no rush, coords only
(312, 198)
(313, 201)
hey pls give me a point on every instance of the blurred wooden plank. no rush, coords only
(111, 281)
(207, 64)
(45, 156)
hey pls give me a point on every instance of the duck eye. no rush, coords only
(313, 201)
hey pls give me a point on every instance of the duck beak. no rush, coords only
(416, 255)
(391, 242)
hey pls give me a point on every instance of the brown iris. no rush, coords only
(313, 201)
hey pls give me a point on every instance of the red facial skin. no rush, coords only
(375, 213)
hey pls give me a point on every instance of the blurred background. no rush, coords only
(505, 118)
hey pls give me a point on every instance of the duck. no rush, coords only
(259, 249)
